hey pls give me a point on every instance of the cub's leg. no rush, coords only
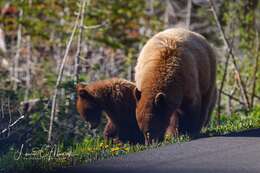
(110, 131)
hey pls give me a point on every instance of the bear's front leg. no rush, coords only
(173, 128)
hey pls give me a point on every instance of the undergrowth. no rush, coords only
(47, 158)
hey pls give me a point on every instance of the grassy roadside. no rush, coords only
(46, 158)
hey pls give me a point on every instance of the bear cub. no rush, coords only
(115, 98)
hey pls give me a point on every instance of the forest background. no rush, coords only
(46, 47)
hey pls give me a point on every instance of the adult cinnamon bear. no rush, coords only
(114, 97)
(175, 75)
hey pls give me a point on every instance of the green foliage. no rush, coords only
(242, 15)
(124, 17)
(238, 19)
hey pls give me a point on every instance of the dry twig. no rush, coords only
(221, 89)
(227, 45)
(232, 97)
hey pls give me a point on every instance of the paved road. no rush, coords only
(234, 153)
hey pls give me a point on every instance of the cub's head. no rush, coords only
(152, 115)
(88, 106)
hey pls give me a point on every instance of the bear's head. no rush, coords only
(153, 115)
(88, 106)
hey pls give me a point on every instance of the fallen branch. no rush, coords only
(12, 124)
(33, 105)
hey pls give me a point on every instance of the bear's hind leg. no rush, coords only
(211, 107)
(189, 121)
(208, 103)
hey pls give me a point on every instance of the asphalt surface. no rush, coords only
(234, 153)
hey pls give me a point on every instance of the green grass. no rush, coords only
(236, 122)
(47, 158)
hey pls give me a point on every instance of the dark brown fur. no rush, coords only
(176, 70)
(114, 97)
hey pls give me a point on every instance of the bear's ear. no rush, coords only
(137, 94)
(159, 100)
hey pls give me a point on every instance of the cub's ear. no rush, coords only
(80, 86)
(137, 94)
(159, 100)
(83, 93)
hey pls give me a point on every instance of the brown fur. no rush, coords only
(176, 70)
(114, 97)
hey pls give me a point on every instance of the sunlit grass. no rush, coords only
(236, 122)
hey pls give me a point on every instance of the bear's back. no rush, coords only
(191, 48)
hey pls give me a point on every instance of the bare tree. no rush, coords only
(61, 69)
(255, 69)
(28, 64)
(2, 42)
(28, 68)
(188, 15)
(17, 55)
(79, 46)
(169, 11)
